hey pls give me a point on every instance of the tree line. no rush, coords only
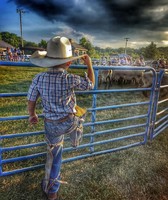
(150, 52)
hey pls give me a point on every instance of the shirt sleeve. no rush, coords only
(82, 83)
(33, 90)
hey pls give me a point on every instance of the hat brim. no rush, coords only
(44, 61)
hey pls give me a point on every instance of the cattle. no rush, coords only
(127, 76)
(105, 77)
(139, 78)
(147, 79)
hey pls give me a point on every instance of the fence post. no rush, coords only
(0, 157)
(155, 103)
(149, 119)
(94, 103)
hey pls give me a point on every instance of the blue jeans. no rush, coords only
(55, 131)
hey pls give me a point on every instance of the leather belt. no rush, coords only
(59, 120)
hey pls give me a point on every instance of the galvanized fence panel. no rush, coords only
(102, 135)
(159, 120)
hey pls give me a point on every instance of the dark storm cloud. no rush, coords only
(49, 9)
(128, 12)
(137, 14)
(105, 16)
(95, 14)
(72, 12)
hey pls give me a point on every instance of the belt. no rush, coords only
(59, 120)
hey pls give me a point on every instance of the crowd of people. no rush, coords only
(124, 60)
(160, 63)
(14, 54)
(17, 55)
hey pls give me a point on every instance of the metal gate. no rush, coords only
(159, 121)
(111, 125)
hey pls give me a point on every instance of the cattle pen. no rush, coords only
(100, 135)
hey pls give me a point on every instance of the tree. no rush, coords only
(30, 44)
(87, 44)
(83, 41)
(43, 44)
(10, 38)
(163, 51)
(121, 50)
(151, 51)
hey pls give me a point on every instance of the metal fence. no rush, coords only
(159, 121)
(137, 121)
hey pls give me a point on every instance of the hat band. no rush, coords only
(58, 57)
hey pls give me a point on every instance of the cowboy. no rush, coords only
(56, 89)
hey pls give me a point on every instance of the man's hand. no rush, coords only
(33, 119)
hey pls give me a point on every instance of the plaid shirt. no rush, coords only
(56, 88)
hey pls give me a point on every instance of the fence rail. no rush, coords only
(101, 140)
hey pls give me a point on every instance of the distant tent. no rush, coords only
(4, 45)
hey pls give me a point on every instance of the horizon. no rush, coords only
(97, 46)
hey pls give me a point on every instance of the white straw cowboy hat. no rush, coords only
(59, 51)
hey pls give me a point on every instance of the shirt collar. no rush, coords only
(55, 70)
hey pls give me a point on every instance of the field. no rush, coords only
(139, 173)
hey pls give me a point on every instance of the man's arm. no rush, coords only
(33, 118)
(88, 62)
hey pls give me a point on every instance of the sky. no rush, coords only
(106, 23)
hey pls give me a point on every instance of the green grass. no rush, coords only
(139, 173)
